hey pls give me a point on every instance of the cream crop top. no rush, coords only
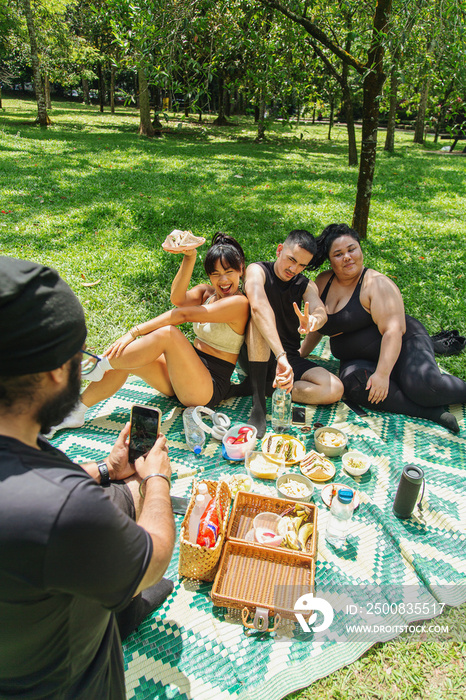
(218, 335)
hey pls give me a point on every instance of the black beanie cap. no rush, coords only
(41, 319)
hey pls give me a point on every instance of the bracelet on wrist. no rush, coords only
(280, 354)
(142, 491)
(135, 332)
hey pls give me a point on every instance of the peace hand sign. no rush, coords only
(307, 322)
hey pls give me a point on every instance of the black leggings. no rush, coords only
(417, 387)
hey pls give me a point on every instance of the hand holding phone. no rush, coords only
(145, 426)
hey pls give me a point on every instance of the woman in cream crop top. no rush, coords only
(220, 336)
(158, 352)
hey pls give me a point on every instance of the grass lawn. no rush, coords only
(91, 198)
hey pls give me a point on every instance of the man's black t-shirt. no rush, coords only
(68, 558)
(281, 296)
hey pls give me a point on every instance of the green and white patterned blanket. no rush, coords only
(391, 573)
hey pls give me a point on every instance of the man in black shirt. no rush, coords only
(72, 563)
(276, 291)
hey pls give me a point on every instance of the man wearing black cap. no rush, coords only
(73, 562)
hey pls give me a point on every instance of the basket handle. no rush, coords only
(261, 620)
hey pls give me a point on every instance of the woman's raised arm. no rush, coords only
(179, 295)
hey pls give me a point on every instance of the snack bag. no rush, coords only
(209, 525)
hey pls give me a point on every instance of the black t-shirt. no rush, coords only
(281, 296)
(68, 558)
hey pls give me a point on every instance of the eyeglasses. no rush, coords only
(88, 363)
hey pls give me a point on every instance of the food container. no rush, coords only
(280, 446)
(301, 480)
(260, 580)
(331, 450)
(247, 505)
(199, 562)
(263, 466)
(317, 467)
(266, 529)
(351, 459)
(238, 450)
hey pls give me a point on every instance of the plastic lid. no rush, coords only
(200, 498)
(197, 450)
(345, 495)
(202, 488)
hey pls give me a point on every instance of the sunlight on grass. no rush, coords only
(92, 198)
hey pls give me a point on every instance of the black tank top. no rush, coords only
(352, 317)
(281, 296)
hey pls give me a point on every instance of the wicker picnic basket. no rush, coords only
(202, 562)
(261, 579)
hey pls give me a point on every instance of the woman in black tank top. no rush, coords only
(387, 361)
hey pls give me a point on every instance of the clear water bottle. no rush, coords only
(194, 435)
(200, 504)
(341, 513)
(281, 410)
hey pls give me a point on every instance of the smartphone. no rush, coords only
(298, 415)
(145, 426)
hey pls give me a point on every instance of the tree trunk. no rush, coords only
(227, 103)
(221, 120)
(349, 114)
(101, 77)
(390, 137)
(86, 95)
(373, 83)
(261, 120)
(330, 123)
(48, 101)
(112, 89)
(42, 116)
(145, 124)
(421, 112)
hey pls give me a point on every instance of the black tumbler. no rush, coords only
(408, 491)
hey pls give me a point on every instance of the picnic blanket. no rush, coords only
(391, 573)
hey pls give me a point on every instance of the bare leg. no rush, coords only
(109, 385)
(166, 360)
(317, 386)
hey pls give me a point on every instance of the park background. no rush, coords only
(93, 199)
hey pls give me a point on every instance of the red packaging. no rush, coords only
(208, 526)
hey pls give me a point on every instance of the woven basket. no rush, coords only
(201, 562)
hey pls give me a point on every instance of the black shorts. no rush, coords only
(220, 371)
(121, 497)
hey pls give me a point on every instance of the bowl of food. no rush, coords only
(266, 529)
(356, 463)
(263, 466)
(239, 439)
(330, 441)
(295, 487)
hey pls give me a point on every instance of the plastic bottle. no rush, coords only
(209, 525)
(199, 507)
(195, 437)
(341, 513)
(281, 410)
